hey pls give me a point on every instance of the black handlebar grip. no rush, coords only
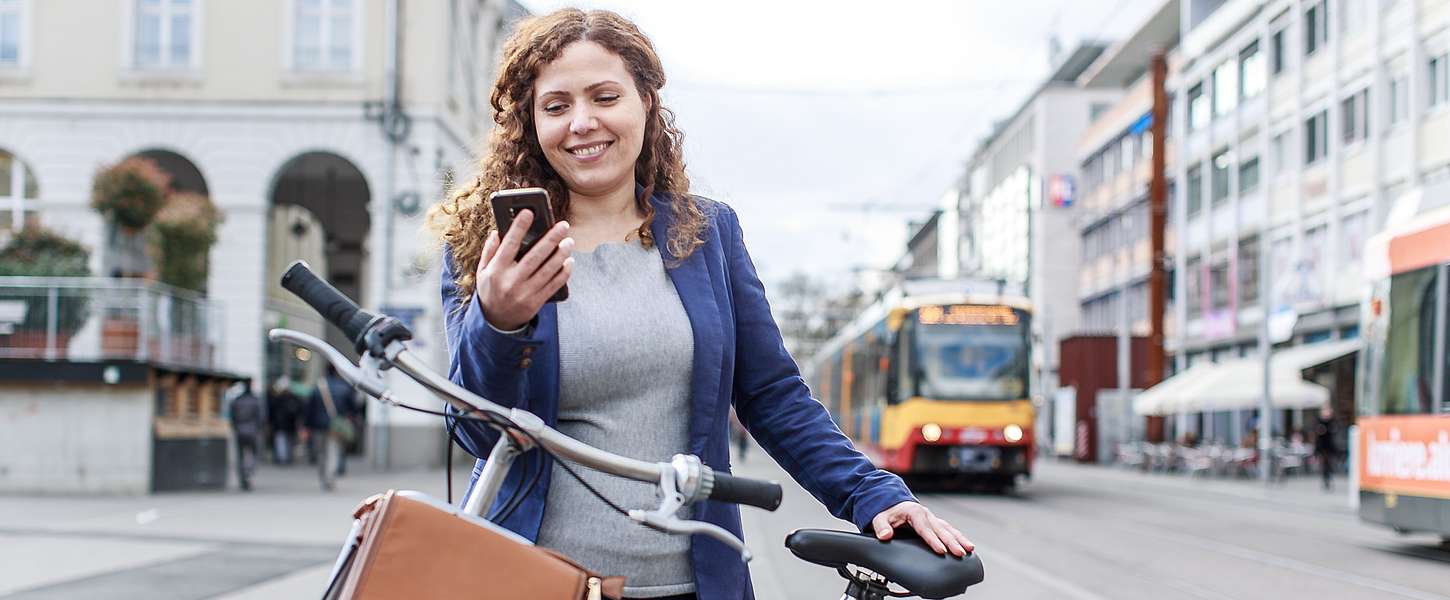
(742, 490)
(338, 309)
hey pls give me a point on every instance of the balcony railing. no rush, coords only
(97, 318)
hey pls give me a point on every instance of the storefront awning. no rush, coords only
(1238, 384)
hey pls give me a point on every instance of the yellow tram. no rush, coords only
(935, 385)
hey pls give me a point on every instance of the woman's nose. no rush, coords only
(583, 122)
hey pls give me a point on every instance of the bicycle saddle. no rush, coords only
(907, 562)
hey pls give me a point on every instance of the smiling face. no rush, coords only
(589, 119)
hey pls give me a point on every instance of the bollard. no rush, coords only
(1353, 467)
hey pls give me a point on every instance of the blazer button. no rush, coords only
(528, 351)
(524, 364)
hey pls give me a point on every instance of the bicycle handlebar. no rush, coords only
(742, 490)
(337, 308)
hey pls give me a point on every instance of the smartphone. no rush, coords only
(508, 203)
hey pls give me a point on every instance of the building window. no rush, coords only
(1193, 284)
(1197, 108)
(1225, 88)
(19, 195)
(323, 39)
(1279, 150)
(1282, 280)
(166, 34)
(1277, 59)
(1316, 137)
(1316, 27)
(1110, 161)
(1251, 71)
(1354, 117)
(1220, 289)
(1439, 79)
(1220, 181)
(1248, 175)
(1248, 268)
(1316, 243)
(1091, 174)
(1399, 105)
(1195, 191)
(1352, 233)
(11, 19)
(1127, 152)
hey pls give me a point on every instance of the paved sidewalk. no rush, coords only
(1302, 492)
(277, 541)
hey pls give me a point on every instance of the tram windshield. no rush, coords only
(973, 352)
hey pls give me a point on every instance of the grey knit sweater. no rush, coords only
(625, 355)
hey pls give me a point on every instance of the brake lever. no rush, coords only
(663, 518)
(368, 378)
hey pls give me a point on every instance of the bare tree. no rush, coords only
(809, 314)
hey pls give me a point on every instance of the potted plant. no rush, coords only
(128, 195)
(182, 235)
(38, 252)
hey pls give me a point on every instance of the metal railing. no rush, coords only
(96, 318)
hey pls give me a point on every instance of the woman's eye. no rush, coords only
(554, 109)
(608, 98)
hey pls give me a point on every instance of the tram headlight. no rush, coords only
(931, 432)
(1013, 433)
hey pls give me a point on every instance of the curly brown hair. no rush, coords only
(515, 159)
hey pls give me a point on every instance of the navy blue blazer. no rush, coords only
(739, 357)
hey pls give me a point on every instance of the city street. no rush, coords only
(1076, 532)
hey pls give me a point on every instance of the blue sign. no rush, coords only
(1061, 190)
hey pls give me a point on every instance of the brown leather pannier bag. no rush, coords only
(408, 545)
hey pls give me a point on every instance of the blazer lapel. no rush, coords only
(697, 294)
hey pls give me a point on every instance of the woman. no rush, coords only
(665, 326)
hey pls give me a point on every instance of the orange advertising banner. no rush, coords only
(1407, 455)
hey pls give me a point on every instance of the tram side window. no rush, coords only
(861, 370)
(904, 362)
(1410, 344)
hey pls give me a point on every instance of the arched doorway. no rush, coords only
(318, 213)
(185, 177)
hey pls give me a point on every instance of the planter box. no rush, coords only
(30, 343)
(120, 337)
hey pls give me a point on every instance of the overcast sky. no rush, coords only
(796, 111)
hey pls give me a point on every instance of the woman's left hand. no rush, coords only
(938, 534)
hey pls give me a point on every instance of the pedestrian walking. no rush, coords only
(1326, 448)
(283, 410)
(330, 426)
(248, 419)
(740, 436)
(665, 328)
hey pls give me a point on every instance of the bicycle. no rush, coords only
(870, 566)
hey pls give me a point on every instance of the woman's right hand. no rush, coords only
(512, 291)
